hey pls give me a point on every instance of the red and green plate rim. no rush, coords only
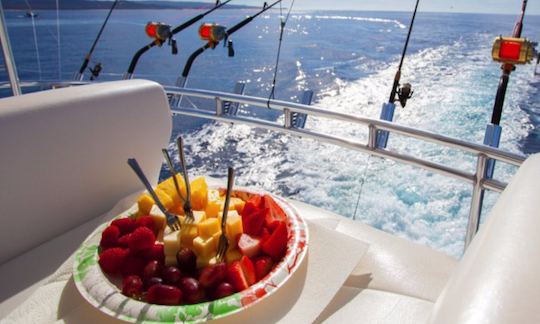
(104, 295)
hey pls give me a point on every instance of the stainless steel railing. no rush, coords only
(482, 152)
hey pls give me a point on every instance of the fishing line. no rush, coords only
(283, 23)
(38, 57)
(363, 180)
(58, 40)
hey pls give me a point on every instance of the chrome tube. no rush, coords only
(8, 55)
(476, 200)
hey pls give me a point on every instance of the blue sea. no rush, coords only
(348, 58)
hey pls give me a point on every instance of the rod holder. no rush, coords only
(387, 113)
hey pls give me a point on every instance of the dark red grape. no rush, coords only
(224, 289)
(132, 286)
(187, 260)
(152, 269)
(191, 290)
(171, 275)
(164, 295)
(213, 275)
(152, 281)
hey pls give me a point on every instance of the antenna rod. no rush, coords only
(228, 33)
(142, 50)
(505, 77)
(79, 76)
(397, 77)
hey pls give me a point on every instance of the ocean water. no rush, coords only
(348, 59)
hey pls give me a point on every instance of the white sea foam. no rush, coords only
(450, 99)
(368, 19)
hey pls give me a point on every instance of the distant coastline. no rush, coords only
(123, 4)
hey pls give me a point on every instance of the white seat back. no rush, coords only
(63, 156)
(498, 279)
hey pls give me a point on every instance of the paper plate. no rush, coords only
(104, 293)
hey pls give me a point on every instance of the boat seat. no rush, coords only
(63, 163)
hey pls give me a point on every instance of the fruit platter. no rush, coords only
(137, 269)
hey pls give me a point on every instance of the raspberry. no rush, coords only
(156, 252)
(146, 221)
(111, 260)
(109, 237)
(124, 241)
(126, 225)
(141, 239)
(133, 265)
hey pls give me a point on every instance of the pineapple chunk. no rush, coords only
(145, 203)
(199, 194)
(204, 248)
(158, 217)
(209, 228)
(171, 242)
(168, 187)
(232, 255)
(233, 228)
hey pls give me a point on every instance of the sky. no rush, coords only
(481, 6)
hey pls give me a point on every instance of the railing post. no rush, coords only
(219, 107)
(476, 200)
(372, 139)
(288, 118)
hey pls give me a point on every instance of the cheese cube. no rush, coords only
(145, 203)
(170, 260)
(187, 234)
(213, 205)
(206, 261)
(204, 247)
(171, 242)
(232, 255)
(209, 228)
(158, 217)
(238, 204)
(159, 237)
(233, 227)
(199, 194)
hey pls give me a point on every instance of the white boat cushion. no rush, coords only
(64, 155)
(497, 281)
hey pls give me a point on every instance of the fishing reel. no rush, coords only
(95, 71)
(404, 93)
(161, 32)
(212, 33)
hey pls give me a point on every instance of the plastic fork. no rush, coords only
(189, 217)
(187, 202)
(223, 244)
(172, 220)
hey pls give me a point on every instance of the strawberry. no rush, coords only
(142, 239)
(265, 235)
(109, 237)
(126, 225)
(254, 204)
(213, 275)
(249, 245)
(276, 244)
(235, 276)
(249, 270)
(272, 213)
(111, 260)
(263, 265)
(253, 223)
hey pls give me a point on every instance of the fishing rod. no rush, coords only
(214, 33)
(95, 71)
(161, 32)
(401, 93)
(510, 51)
